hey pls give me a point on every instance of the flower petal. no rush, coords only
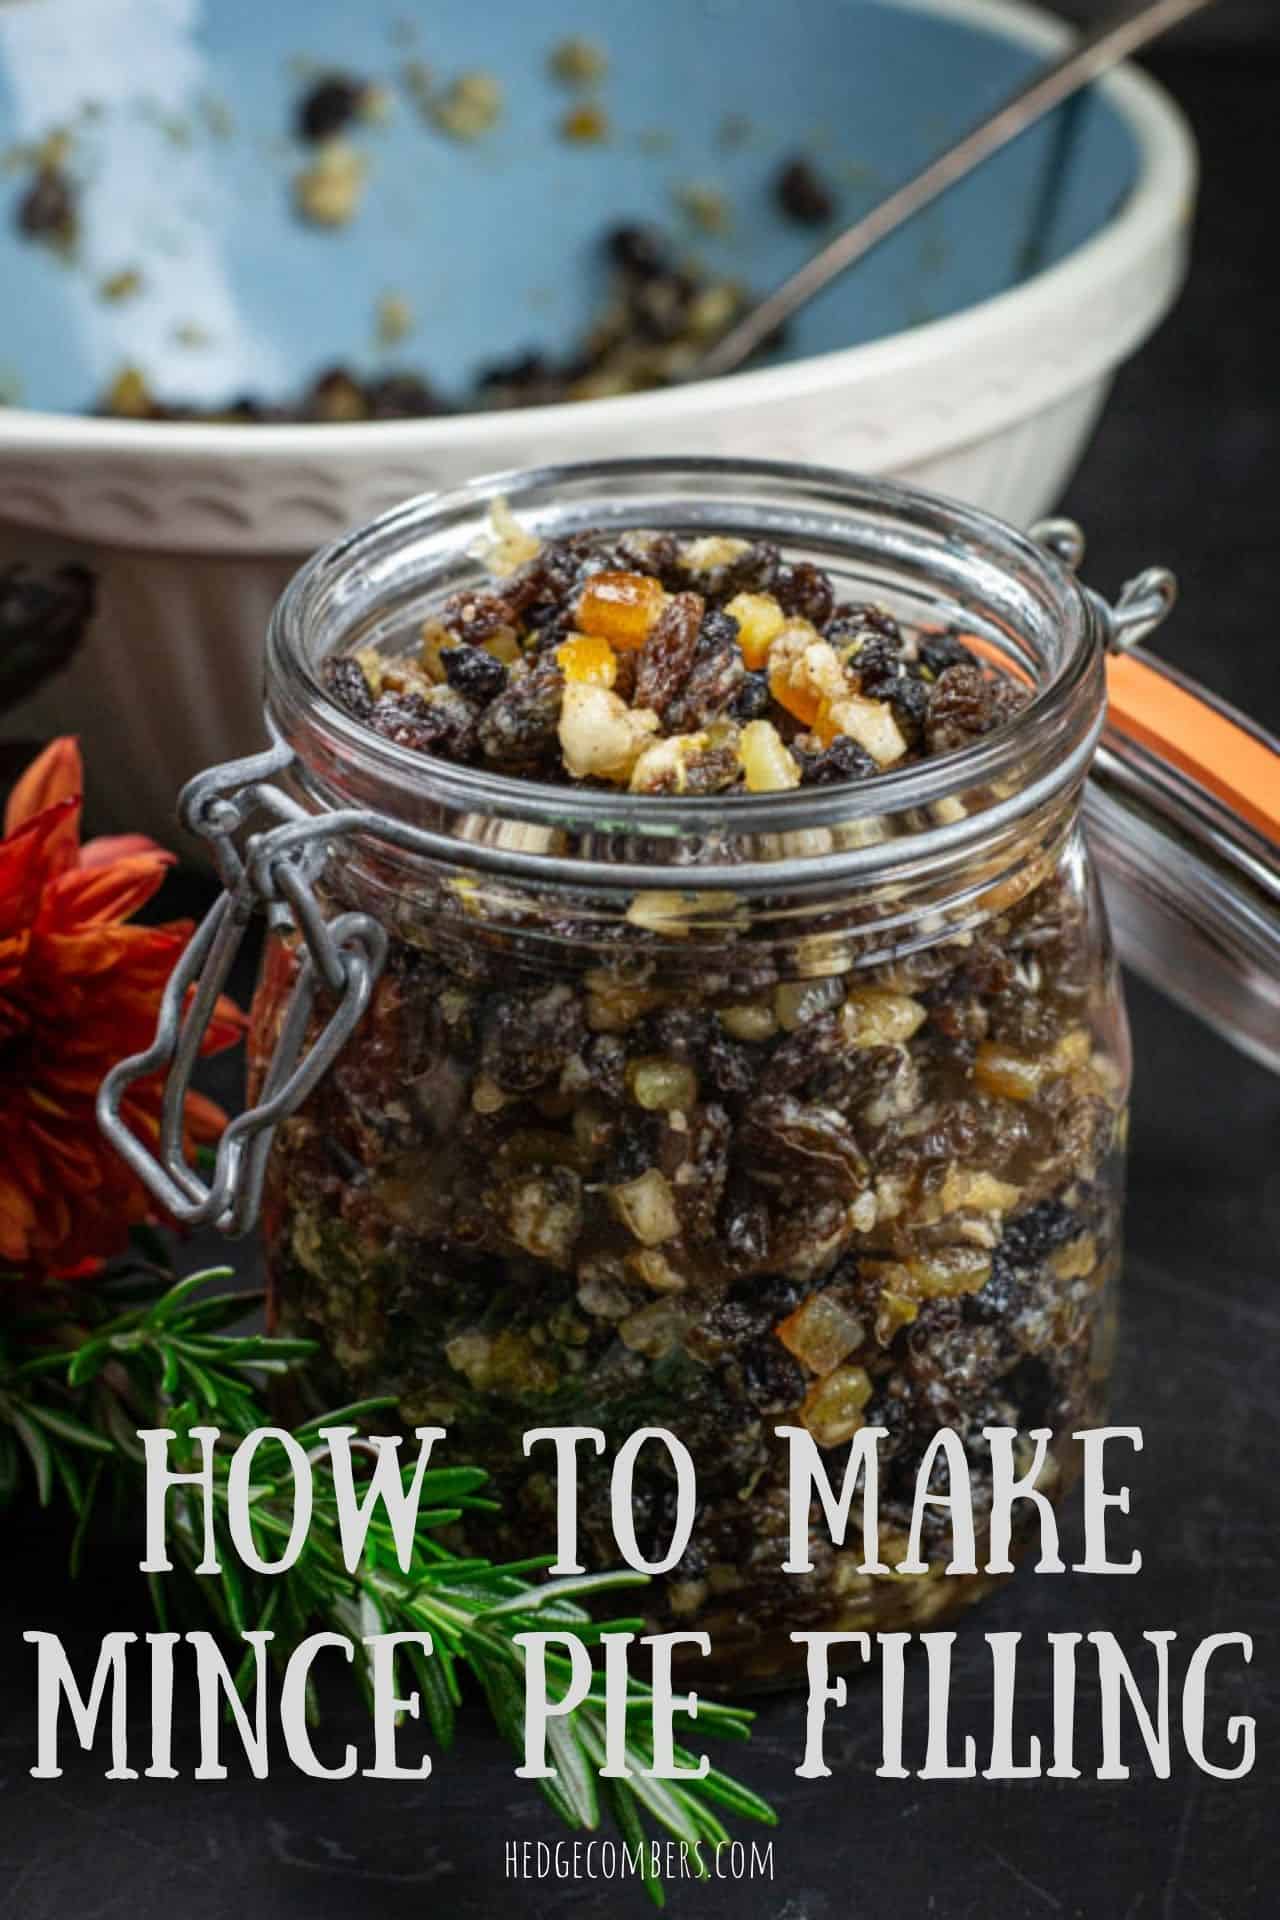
(56, 774)
(95, 896)
(109, 847)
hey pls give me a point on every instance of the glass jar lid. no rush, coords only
(1183, 813)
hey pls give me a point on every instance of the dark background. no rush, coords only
(1230, 23)
(1184, 471)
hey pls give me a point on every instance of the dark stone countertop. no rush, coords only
(1184, 471)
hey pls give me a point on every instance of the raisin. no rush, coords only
(714, 678)
(402, 396)
(544, 586)
(1001, 1295)
(892, 1410)
(843, 760)
(476, 616)
(526, 377)
(605, 1058)
(878, 664)
(909, 699)
(943, 650)
(634, 1148)
(345, 680)
(473, 672)
(681, 1032)
(849, 1078)
(797, 1057)
(754, 570)
(443, 725)
(654, 1518)
(964, 704)
(329, 106)
(640, 551)
(729, 1065)
(335, 396)
(700, 1179)
(802, 194)
(958, 1022)
(805, 592)
(659, 305)
(783, 1139)
(959, 709)
(712, 770)
(668, 652)
(519, 728)
(744, 1223)
(529, 1036)
(753, 699)
(1029, 1236)
(770, 1380)
(855, 619)
(47, 210)
(640, 250)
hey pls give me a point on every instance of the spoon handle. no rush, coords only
(1105, 47)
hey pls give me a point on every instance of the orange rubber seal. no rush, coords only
(1199, 739)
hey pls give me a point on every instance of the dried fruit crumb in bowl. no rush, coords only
(747, 1046)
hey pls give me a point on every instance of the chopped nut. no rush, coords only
(760, 620)
(653, 1331)
(754, 1022)
(507, 546)
(705, 207)
(394, 319)
(966, 1187)
(1006, 1073)
(796, 1002)
(328, 192)
(670, 766)
(661, 1085)
(125, 285)
(646, 1208)
(674, 914)
(578, 62)
(874, 1017)
(833, 1407)
(613, 1005)
(767, 764)
(470, 107)
(600, 735)
(869, 722)
(1076, 1259)
(656, 1271)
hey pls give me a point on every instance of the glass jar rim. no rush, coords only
(1042, 752)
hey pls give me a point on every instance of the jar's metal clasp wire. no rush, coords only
(341, 958)
(1143, 603)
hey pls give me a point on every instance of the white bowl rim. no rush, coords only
(1162, 192)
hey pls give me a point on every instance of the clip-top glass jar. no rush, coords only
(617, 1110)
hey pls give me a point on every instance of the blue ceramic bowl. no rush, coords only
(182, 111)
(971, 354)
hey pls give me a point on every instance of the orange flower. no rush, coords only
(78, 990)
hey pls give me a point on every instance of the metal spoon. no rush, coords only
(1105, 47)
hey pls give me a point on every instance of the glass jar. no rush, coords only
(716, 1116)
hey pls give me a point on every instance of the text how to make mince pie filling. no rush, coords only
(748, 1049)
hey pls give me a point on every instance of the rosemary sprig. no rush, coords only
(80, 1373)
